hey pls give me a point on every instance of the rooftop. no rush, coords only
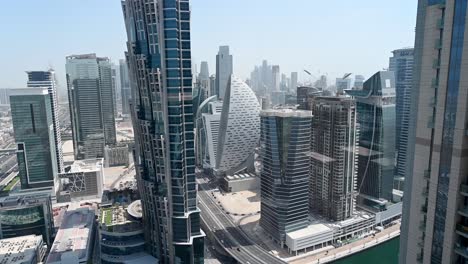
(118, 215)
(240, 176)
(87, 165)
(285, 111)
(21, 249)
(74, 237)
(28, 91)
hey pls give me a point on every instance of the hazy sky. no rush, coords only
(332, 36)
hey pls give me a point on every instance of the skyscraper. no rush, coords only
(126, 93)
(223, 70)
(342, 85)
(358, 82)
(275, 71)
(47, 79)
(204, 79)
(333, 152)
(293, 85)
(376, 117)
(239, 129)
(91, 102)
(402, 65)
(285, 147)
(159, 59)
(33, 125)
(435, 222)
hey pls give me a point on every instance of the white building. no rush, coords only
(23, 249)
(84, 178)
(75, 239)
(239, 131)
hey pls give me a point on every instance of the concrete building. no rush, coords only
(91, 101)
(22, 249)
(275, 85)
(163, 122)
(376, 117)
(342, 85)
(285, 144)
(435, 220)
(41, 79)
(305, 94)
(125, 93)
(402, 65)
(224, 66)
(240, 182)
(239, 129)
(74, 242)
(84, 178)
(33, 126)
(27, 213)
(117, 155)
(334, 152)
(121, 235)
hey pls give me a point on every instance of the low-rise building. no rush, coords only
(74, 241)
(240, 182)
(121, 235)
(24, 249)
(84, 178)
(27, 213)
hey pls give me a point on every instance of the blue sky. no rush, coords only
(332, 36)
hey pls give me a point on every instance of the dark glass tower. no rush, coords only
(160, 69)
(285, 149)
(376, 117)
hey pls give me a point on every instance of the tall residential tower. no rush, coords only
(435, 220)
(159, 59)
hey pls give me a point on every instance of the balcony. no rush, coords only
(435, 83)
(462, 251)
(424, 209)
(441, 5)
(440, 23)
(436, 64)
(463, 211)
(464, 190)
(433, 102)
(422, 226)
(425, 191)
(438, 44)
(427, 174)
(462, 230)
(419, 257)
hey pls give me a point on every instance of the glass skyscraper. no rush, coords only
(375, 105)
(435, 216)
(401, 64)
(223, 70)
(285, 148)
(32, 120)
(160, 65)
(47, 79)
(91, 100)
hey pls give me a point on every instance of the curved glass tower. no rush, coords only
(160, 70)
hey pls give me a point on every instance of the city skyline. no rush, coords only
(108, 36)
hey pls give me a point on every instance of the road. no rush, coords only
(227, 233)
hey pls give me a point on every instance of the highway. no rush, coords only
(227, 233)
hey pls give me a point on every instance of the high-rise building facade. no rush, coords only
(31, 114)
(275, 85)
(358, 82)
(47, 79)
(91, 100)
(333, 155)
(285, 149)
(125, 93)
(293, 85)
(239, 129)
(401, 64)
(376, 117)
(223, 70)
(4, 96)
(160, 65)
(435, 223)
(342, 85)
(208, 120)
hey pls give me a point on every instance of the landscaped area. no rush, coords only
(12, 184)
